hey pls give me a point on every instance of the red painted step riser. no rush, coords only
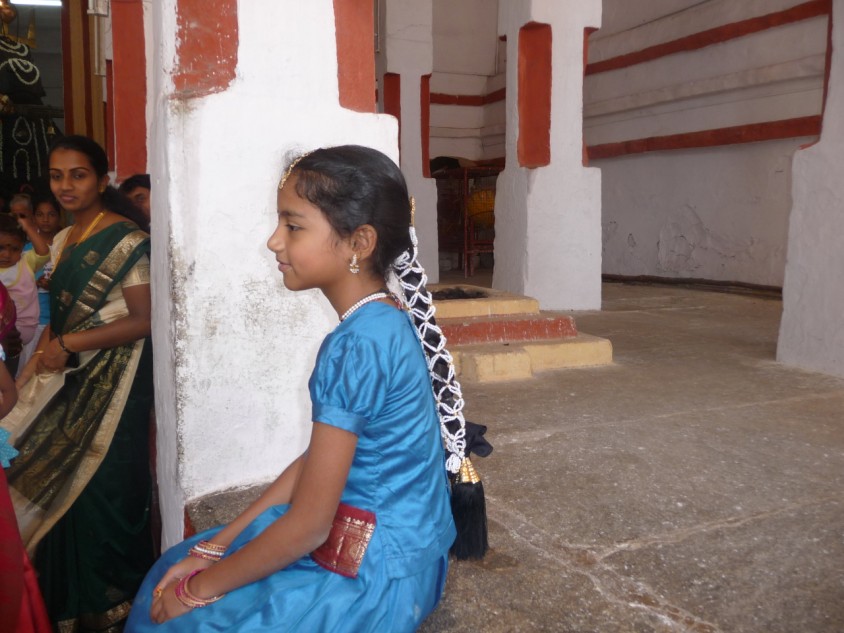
(465, 332)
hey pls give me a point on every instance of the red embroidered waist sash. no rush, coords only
(351, 531)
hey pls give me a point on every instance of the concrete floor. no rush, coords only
(694, 485)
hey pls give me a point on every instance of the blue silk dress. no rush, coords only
(370, 378)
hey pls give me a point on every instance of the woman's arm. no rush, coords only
(304, 527)
(136, 325)
(32, 364)
(7, 391)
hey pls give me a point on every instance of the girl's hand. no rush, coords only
(166, 606)
(54, 358)
(181, 569)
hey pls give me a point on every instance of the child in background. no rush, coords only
(137, 188)
(354, 535)
(48, 221)
(17, 269)
(20, 205)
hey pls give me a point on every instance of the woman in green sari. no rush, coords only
(81, 484)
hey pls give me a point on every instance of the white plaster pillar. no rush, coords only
(812, 327)
(233, 347)
(409, 54)
(548, 219)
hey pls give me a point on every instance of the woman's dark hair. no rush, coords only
(9, 225)
(135, 181)
(353, 186)
(112, 199)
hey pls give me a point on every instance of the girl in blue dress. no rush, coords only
(354, 535)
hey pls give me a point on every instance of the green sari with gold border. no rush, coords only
(81, 484)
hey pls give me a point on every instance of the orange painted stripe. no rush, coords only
(67, 69)
(392, 98)
(207, 44)
(110, 122)
(715, 35)
(355, 35)
(88, 73)
(586, 33)
(425, 123)
(750, 133)
(129, 96)
(441, 98)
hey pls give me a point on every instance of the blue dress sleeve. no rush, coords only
(349, 384)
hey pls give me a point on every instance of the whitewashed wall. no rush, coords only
(467, 60)
(812, 327)
(233, 347)
(408, 51)
(717, 213)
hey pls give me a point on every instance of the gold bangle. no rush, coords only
(38, 351)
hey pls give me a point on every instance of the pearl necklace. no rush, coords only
(375, 296)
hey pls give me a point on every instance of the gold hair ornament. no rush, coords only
(290, 169)
(412, 211)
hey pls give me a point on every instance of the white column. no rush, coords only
(812, 327)
(233, 347)
(548, 219)
(409, 54)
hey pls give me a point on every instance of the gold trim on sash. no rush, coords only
(351, 531)
(33, 522)
(99, 284)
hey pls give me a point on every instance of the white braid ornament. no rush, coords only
(420, 304)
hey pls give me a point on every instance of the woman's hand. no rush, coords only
(53, 359)
(166, 606)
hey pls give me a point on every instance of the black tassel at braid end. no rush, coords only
(468, 506)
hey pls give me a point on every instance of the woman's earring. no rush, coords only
(353, 265)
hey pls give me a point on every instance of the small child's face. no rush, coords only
(11, 247)
(47, 218)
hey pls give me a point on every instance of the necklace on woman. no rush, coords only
(82, 239)
(375, 296)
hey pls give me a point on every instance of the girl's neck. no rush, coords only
(352, 291)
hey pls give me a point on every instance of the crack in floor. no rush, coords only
(614, 587)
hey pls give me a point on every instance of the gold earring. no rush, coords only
(354, 268)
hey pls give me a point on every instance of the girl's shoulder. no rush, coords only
(376, 320)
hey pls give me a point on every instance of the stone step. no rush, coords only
(511, 328)
(497, 336)
(484, 302)
(497, 362)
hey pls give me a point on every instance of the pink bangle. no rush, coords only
(184, 595)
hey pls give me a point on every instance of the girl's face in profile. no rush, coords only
(47, 218)
(308, 251)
